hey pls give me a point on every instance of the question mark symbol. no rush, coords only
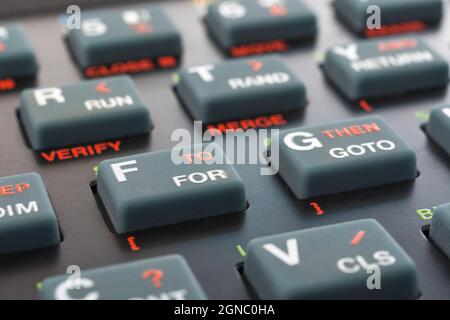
(156, 276)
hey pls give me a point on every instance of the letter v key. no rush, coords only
(291, 258)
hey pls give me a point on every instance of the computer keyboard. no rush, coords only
(88, 180)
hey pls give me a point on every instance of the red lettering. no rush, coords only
(394, 45)
(343, 132)
(64, 154)
(356, 130)
(132, 243)
(216, 131)
(79, 151)
(90, 150)
(233, 125)
(263, 122)
(203, 156)
(278, 11)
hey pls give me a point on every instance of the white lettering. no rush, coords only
(43, 95)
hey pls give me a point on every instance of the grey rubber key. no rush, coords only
(27, 218)
(85, 112)
(343, 156)
(240, 88)
(17, 57)
(440, 228)
(438, 127)
(237, 22)
(353, 260)
(161, 278)
(420, 13)
(150, 190)
(123, 35)
(385, 67)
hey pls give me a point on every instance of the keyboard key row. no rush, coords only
(340, 261)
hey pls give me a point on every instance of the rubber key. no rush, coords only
(397, 16)
(17, 57)
(343, 156)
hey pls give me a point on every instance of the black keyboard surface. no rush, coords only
(211, 246)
